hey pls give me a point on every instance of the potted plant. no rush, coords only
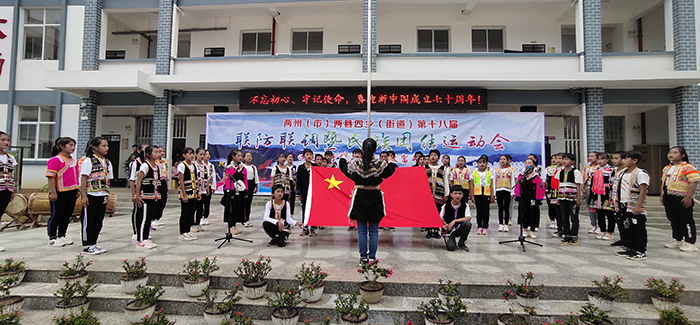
(135, 275)
(73, 298)
(675, 316)
(85, 317)
(665, 296)
(197, 275)
(144, 303)
(608, 291)
(11, 318)
(439, 312)
(12, 268)
(512, 318)
(158, 318)
(238, 319)
(352, 311)
(311, 279)
(284, 306)
(372, 290)
(253, 275)
(448, 290)
(216, 312)
(591, 315)
(9, 304)
(74, 273)
(527, 294)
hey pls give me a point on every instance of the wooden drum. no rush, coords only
(18, 206)
(39, 205)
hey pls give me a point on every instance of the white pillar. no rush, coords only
(668, 25)
(579, 31)
(671, 125)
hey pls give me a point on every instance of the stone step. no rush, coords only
(109, 298)
(393, 289)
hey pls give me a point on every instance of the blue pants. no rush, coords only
(362, 229)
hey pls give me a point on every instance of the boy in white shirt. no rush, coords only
(456, 218)
(570, 197)
(277, 218)
(631, 203)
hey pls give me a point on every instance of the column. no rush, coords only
(91, 53)
(685, 59)
(365, 9)
(595, 128)
(593, 62)
(163, 59)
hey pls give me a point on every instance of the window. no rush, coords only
(487, 40)
(254, 43)
(42, 34)
(36, 125)
(307, 42)
(433, 40)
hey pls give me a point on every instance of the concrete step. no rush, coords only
(109, 298)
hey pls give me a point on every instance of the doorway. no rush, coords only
(114, 142)
(178, 145)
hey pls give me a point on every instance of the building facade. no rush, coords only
(608, 75)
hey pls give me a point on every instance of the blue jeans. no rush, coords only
(362, 228)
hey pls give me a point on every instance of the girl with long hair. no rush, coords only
(367, 206)
(62, 174)
(253, 181)
(679, 181)
(282, 175)
(235, 189)
(95, 173)
(147, 182)
(162, 184)
(189, 193)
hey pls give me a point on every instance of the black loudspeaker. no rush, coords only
(528, 108)
(220, 109)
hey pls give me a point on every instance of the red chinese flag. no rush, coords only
(409, 202)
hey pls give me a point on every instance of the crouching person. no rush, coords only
(456, 218)
(277, 218)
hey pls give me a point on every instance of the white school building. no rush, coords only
(608, 74)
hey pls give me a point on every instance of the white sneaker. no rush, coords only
(196, 228)
(536, 229)
(204, 222)
(56, 243)
(184, 237)
(500, 228)
(532, 235)
(526, 233)
(600, 235)
(505, 228)
(247, 224)
(156, 223)
(66, 240)
(592, 231)
(102, 250)
(143, 245)
(152, 244)
(688, 247)
(190, 235)
(597, 230)
(91, 250)
(674, 244)
(2, 249)
(552, 225)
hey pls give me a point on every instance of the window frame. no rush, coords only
(432, 29)
(487, 29)
(38, 123)
(307, 31)
(257, 40)
(43, 25)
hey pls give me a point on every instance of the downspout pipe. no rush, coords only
(274, 35)
(61, 66)
(13, 69)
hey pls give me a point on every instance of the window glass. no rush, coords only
(495, 40)
(48, 114)
(425, 40)
(34, 16)
(264, 43)
(315, 42)
(478, 40)
(27, 138)
(299, 42)
(53, 17)
(248, 43)
(28, 114)
(442, 40)
(45, 140)
(33, 37)
(51, 44)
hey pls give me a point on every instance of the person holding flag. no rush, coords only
(367, 204)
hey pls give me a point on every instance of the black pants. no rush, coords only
(604, 215)
(637, 225)
(61, 211)
(203, 208)
(292, 198)
(569, 218)
(503, 201)
(528, 215)
(187, 212)
(135, 214)
(149, 211)
(249, 199)
(5, 197)
(681, 218)
(303, 209)
(462, 230)
(482, 203)
(163, 190)
(553, 211)
(279, 237)
(92, 218)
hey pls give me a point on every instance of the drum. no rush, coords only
(39, 204)
(18, 206)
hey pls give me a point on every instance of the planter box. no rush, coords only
(371, 295)
(285, 320)
(131, 285)
(19, 274)
(194, 288)
(255, 290)
(311, 295)
(215, 318)
(135, 314)
(82, 278)
(75, 309)
(664, 303)
(10, 304)
(364, 320)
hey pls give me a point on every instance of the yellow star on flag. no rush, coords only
(333, 182)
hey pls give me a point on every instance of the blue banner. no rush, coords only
(471, 135)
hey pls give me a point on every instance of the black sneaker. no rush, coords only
(637, 256)
(565, 241)
(429, 234)
(626, 253)
(618, 243)
(272, 242)
(463, 246)
(436, 233)
(573, 241)
(363, 261)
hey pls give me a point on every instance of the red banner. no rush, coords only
(409, 202)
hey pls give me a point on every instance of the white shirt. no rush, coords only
(669, 172)
(268, 218)
(482, 178)
(181, 168)
(494, 179)
(144, 169)
(642, 178)
(467, 212)
(252, 173)
(86, 169)
(3, 159)
(134, 171)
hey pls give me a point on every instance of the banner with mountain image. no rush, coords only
(266, 135)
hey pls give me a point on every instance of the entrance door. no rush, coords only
(614, 127)
(114, 141)
(178, 145)
(572, 138)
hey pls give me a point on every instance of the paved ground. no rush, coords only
(413, 258)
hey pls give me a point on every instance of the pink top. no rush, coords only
(65, 171)
(539, 187)
(234, 173)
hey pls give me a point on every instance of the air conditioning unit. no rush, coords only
(115, 55)
(390, 48)
(214, 51)
(349, 49)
